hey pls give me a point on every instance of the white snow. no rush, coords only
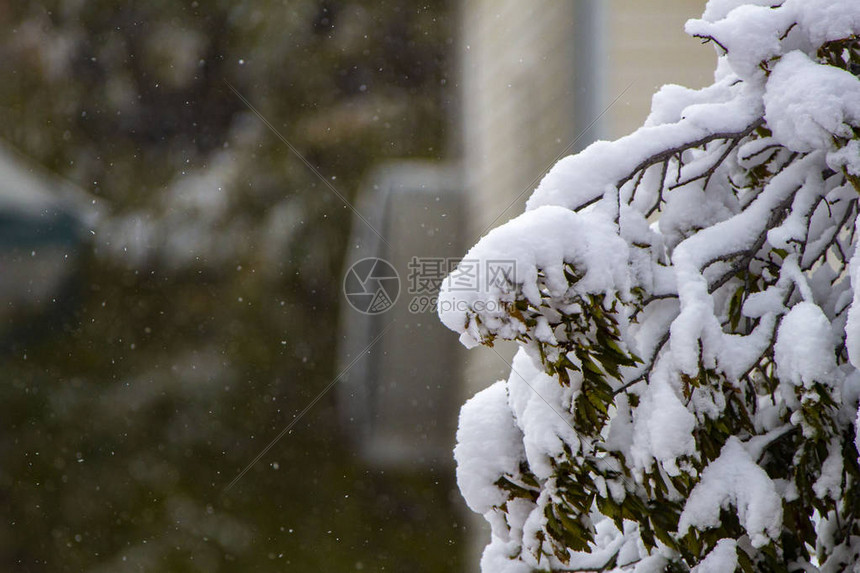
(804, 349)
(541, 407)
(719, 235)
(489, 445)
(852, 326)
(662, 426)
(540, 240)
(807, 104)
(751, 34)
(734, 479)
(722, 559)
(829, 483)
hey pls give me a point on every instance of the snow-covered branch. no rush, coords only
(685, 298)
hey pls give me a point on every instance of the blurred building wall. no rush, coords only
(535, 75)
(647, 46)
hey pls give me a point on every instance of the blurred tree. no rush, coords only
(205, 305)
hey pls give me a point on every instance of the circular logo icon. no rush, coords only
(371, 285)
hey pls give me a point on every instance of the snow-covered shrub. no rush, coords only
(685, 302)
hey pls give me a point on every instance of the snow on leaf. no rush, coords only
(804, 348)
(489, 446)
(734, 479)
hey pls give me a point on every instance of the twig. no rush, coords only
(672, 151)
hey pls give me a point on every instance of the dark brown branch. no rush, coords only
(591, 201)
(706, 39)
(651, 299)
(760, 151)
(644, 376)
(834, 240)
(775, 217)
(709, 171)
(669, 153)
(787, 30)
(659, 190)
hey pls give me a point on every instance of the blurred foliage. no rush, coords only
(202, 315)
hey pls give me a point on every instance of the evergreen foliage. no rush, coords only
(689, 403)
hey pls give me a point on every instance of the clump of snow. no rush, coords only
(804, 348)
(852, 326)
(716, 10)
(829, 483)
(543, 240)
(750, 34)
(808, 104)
(496, 557)
(847, 158)
(537, 401)
(722, 559)
(662, 426)
(826, 20)
(489, 445)
(857, 431)
(735, 480)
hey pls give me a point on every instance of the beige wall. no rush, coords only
(518, 98)
(649, 48)
(521, 85)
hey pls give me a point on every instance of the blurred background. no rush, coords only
(171, 268)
